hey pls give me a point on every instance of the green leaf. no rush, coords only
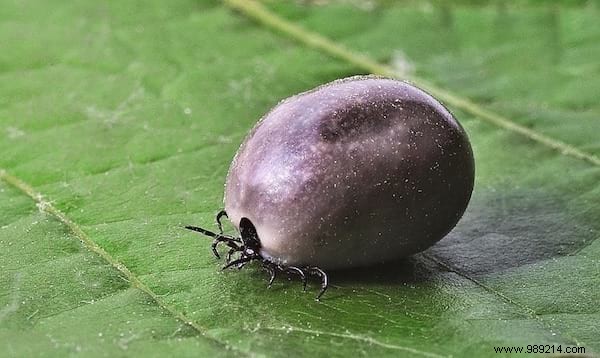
(118, 122)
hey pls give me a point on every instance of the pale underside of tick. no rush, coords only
(356, 172)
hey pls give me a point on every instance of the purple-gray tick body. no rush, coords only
(359, 171)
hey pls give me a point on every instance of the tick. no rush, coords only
(356, 172)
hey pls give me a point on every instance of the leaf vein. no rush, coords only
(46, 206)
(359, 338)
(528, 310)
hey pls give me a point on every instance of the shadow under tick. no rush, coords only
(506, 229)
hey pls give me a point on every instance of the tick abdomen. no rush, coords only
(356, 172)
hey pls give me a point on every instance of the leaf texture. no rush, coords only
(118, 122)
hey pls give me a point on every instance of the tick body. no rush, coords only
(356, 172)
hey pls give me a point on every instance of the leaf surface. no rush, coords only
(124, 118)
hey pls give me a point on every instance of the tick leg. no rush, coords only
(202, 231)
(227, 240)
(218, 238)
(272, 272)
(300, 273)
(230, 240)
(242, 261)
(214, 248)
(232, 245)
(212, 234)
(209, 233)
(242, 264)
(231, 252)
(218, 218)
(324, 280)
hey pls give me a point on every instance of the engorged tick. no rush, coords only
(356, 172)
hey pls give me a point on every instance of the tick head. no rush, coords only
(249, 238)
